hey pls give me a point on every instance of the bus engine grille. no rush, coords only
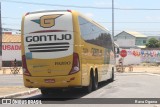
(49, 47)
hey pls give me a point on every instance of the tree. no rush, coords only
(153, 43)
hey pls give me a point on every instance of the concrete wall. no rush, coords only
(133, 57)
(137, 56)
(0, 62)
(11, 51)
(151, 56)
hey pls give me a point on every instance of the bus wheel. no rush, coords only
(112, 78)
(44, 91)
(88, 88)
(95, 81)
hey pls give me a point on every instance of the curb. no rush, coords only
(20, 94)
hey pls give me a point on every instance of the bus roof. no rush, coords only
(90, 20)
(43, 11)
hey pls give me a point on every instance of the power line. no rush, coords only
(130, 22)
(76, 6)
(45, 4)
(11, 18)
(140, 31)
(10, 29)
(144, 32)
(97, 21)
(13, 24)
(115, 30)
(137, 9)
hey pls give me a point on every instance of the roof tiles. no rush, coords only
(11, 38)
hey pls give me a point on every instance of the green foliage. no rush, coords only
(153, 43)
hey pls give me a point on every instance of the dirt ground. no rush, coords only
(7, 70)
(144, 67)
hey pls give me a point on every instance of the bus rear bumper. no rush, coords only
(53, 82)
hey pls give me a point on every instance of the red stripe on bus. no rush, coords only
(44, 31)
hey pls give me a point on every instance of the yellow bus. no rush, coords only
(63, 49)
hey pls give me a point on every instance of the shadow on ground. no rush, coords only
(67, 94)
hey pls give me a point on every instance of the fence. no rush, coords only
(137, 56)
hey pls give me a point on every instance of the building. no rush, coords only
(128, 39)
(11, 49)
(132, 42)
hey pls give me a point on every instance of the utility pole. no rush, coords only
(113, 18)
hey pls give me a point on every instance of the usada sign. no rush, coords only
(11, 51)
(11, 47)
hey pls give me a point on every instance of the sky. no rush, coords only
(143, 21)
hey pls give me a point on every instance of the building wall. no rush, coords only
(137, 56)
(125, 40)
(150, 56)
(10, 52)
(0, 61)
(133, 57)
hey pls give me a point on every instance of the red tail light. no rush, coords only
(75, 65)
(27, 14)
(25, 69)
(69, 11)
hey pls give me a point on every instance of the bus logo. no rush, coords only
(47, 21)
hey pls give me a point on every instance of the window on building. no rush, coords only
(144, 41)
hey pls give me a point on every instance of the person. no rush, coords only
(15, 62)
(121, 61)
(122, 68)
(130, 68)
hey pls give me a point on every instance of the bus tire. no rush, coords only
(89, 88)
(112, 78)
(95, 81)
(44, 91)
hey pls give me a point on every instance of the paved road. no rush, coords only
(130, 86)
(11, 80)
(126, 85)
